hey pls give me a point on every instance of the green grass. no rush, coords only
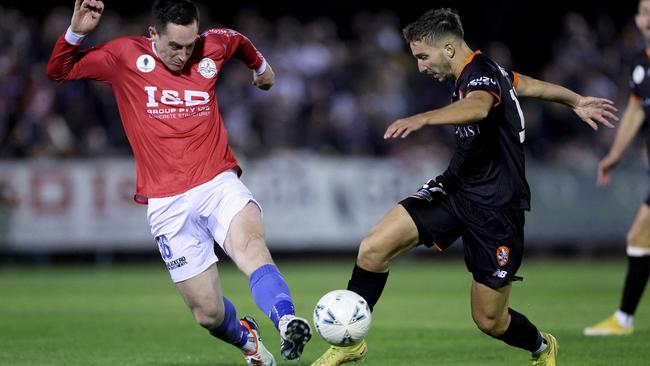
(132, 315)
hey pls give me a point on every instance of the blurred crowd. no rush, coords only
(335, 94)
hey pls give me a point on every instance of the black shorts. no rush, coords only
(493, 240)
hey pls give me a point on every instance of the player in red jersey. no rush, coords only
(186, 172)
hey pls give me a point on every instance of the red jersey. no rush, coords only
(171, 119)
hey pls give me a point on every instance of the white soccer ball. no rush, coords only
(342, 317)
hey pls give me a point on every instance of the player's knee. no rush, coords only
(208, 316)
(635, 238)
(490, 325)
(250, 253)
(251, 242)
(371, 255)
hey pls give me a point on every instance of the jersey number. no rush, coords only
(513, 95)
(522, 133)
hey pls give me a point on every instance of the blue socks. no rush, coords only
(271, 293)
(231, 330)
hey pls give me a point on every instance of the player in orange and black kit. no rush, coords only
(638, 236)
(481, 197)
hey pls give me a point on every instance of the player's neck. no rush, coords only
(461, 59)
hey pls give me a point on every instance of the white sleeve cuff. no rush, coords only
(73, 38)
(260, 70)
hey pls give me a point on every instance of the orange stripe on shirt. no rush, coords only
(467, 61)
(515, 80)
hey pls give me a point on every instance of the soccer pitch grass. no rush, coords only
(132, 315)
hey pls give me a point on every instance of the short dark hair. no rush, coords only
(181, 12)
(433, 25)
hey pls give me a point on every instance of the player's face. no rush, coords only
(643, 19)
(175, 44)
(432, 60)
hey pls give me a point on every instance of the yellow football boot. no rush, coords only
(336, 355)
(607, 327)
(547, 357)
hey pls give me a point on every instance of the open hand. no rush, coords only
(403, 127)
(605, 168)
(596, 110)
(86, 16)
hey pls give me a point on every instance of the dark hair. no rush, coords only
(181, 12)
(433, 25)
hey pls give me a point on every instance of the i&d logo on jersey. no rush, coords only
(207, 68)
(145, 63)
(503, 255)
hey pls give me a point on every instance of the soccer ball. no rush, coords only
(342, 317)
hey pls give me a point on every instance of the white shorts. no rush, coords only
(186, 224)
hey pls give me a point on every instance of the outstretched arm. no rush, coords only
(473, 108)
(67, 62)
(590, 109)
(630, 123)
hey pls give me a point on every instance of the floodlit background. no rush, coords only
(313, 154)
(312, 148)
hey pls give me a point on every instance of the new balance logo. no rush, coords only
(500, 273)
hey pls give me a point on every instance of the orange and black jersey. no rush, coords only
(640, 89)
(488, 165)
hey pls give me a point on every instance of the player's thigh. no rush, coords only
(437, 226)
(639, 233)
(245, 242)
(231, 212)
(394, 234)
(490, 306)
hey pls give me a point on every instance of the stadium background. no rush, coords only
(81, 281)
(312, 149)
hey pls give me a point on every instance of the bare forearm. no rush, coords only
(533, 88)
(465, 111)
(473, 108)
(630, 123)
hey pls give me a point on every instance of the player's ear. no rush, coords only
(450, 50)
(152, 31)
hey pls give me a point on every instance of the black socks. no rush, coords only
(368, 284)
(521, 333)
(638, 271)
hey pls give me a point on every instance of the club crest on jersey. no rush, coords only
(503, 255)
(638, 74)
(145, 63)
(207, 68)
